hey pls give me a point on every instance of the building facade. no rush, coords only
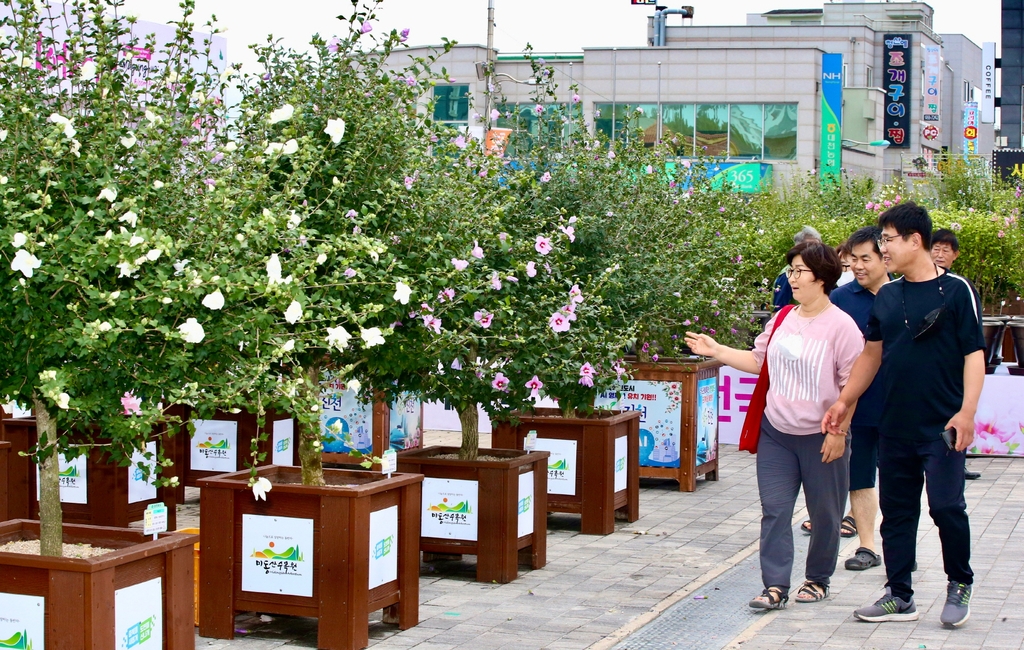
(1012, 72)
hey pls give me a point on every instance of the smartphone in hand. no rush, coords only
(949, 437)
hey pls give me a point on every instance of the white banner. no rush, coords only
(22, 621)
(74, 484)
(140, 489)
(139, 616)
(561, 464)
(383, 546)
(988, 83)
(284, 441)
(621, 458)
(277, 555)
(215, 446)
(450, 509)
(525, 526)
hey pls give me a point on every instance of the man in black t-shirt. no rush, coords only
(925, 333)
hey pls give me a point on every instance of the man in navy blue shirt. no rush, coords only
(857, 299)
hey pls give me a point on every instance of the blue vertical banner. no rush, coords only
(970, 129)
(898, 71)
(831, 117)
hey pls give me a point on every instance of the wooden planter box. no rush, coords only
(107, 485)
(341, 559)
(678, 403)
(142, 589)
(505, 511)
(5, 448)
(594, 466)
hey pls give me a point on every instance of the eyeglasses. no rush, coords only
(884, 240)
(931, 318)
(795, 273)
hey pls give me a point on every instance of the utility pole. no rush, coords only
(490, 64)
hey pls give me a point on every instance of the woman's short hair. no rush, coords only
(822, 260)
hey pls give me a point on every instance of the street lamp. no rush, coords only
(874, 143)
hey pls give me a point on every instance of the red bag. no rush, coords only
(751, 432)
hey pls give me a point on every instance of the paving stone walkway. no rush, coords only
(601, 591)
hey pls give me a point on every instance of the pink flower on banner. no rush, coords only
(535, 385)
(500, 382)
(477, 252)
(984, 430)
(432, 322)
(545, 177)
(531, 269)
(350, 273)
(569, 231)
(587, 375)
(409, 180)
(558, 322)
(575, 295)
(132, 404)
(459, 265)
(483, 319)
(543, 245)
(495, 281)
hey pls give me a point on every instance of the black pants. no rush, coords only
(903, 466)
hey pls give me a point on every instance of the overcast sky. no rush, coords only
(549, 25)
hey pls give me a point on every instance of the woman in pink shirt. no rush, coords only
(809, 361)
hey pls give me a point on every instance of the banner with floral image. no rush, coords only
(999, 424)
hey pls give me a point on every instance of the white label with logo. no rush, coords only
(215, 446)
(450, 509)
(525, 526)
(621, 460)
(139, 616)
(284, 441)
(139, 487)
(22, 621)
(561, 465)
(74, 486)
(277, 555)
(383, 546)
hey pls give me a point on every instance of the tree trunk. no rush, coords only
(310, 445)
(470, 420)
(51, 519)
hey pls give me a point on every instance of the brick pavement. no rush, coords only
(596, 590)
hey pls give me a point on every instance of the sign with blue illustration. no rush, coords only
(346, 422)
(406, 425)
(659, 404)
(707, 420)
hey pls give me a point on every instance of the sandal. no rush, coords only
(770, 598)
(811, 592)
(848, 528)
(806, 527)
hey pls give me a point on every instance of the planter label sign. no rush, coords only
(450, 508)
(383, 546)
(707, 420)
(660, 417)
(215, 446)
(22, 621)
(139, 616)
(621, 455)
(277, 555)
(561, 465)
(346, 423)
(74, 486)
(284, 442)
(140, 489)
(525, 526)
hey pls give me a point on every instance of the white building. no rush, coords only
(752, 93)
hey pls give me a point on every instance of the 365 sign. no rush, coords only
(898, 72)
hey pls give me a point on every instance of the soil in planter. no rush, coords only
(331, 479)
(456, 457)
(31, 547)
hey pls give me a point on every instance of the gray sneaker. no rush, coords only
(958, 605)
(888, 608)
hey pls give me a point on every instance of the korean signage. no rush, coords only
(346, 422)
(450, 508)
(74, 480)
(1010, 164)
(970, 128)
(898, 73)
(277, 555)
(932, 83)
(831, 117)
(735, 389)
(138, 616)
(215, 446)
(660, 421)
(561, 465)
(988, 83)
(22, 621)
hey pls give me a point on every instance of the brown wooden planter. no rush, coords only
(593, 492)
(107, 484)
(510, 508)
(5, 448)
(336, 522)
(678, 428)
(80, 594)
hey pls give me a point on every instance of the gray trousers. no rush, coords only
(784, 462)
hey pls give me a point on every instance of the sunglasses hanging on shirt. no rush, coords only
(931, 319)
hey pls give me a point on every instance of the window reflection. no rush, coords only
(780, 131)
(712, 129)
(745, 131)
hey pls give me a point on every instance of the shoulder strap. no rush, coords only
(778, 321)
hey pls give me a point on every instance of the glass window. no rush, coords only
(677, 127)
(524, 121)
(712, 136)
(780, 131)
(451, 104)
(745, 131)
(628, 117)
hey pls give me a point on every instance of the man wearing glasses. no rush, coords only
(925, 334)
